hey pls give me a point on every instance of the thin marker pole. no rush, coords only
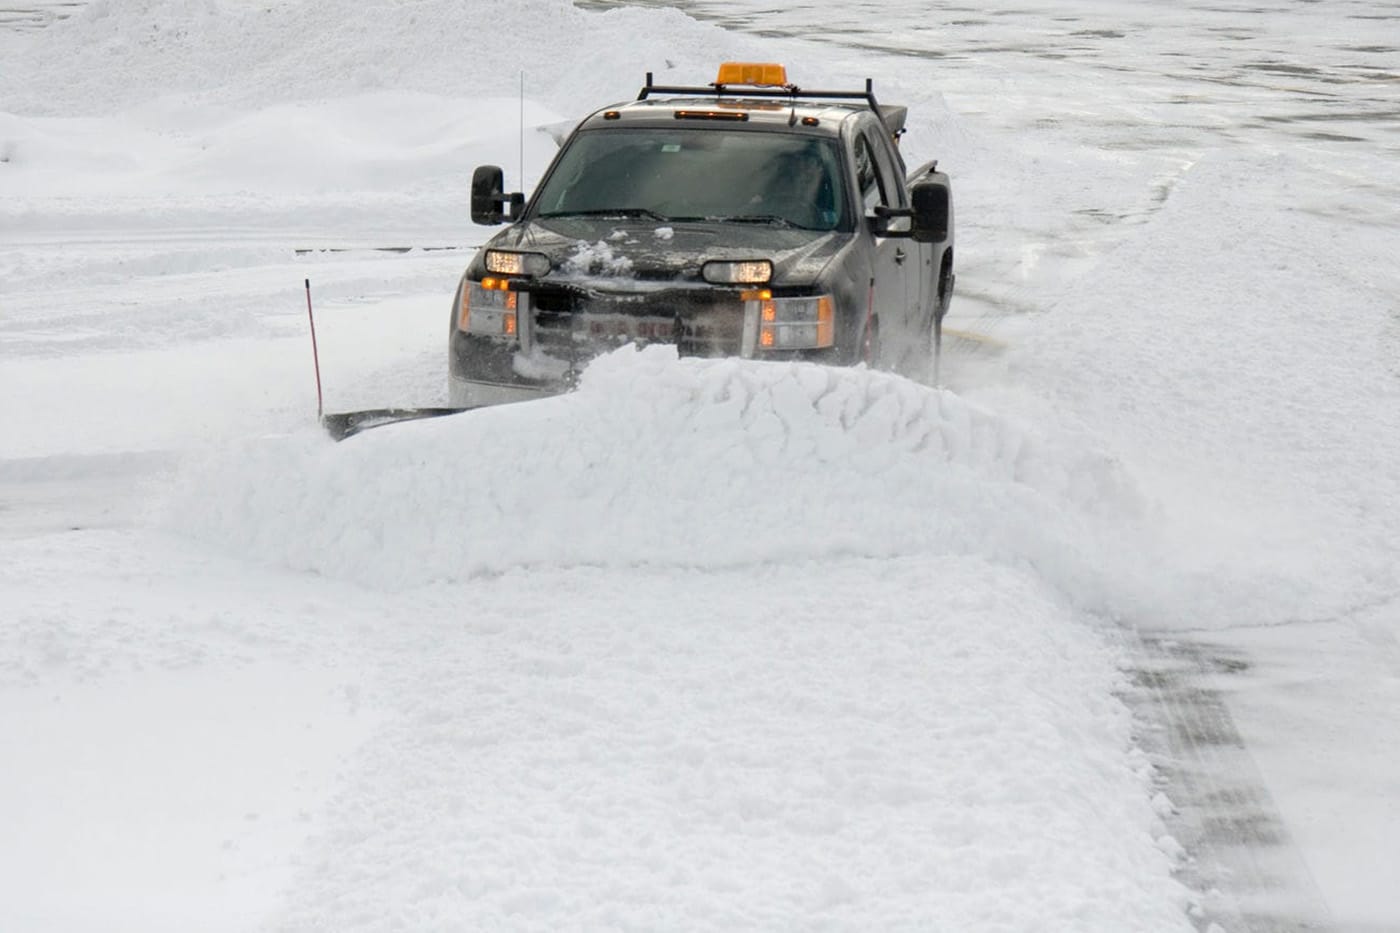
(315, 355)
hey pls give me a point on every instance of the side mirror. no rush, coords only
(488, 197)
(889, 221)
(932, 200)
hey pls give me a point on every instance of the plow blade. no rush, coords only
(349, 423)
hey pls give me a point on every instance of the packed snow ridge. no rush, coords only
(659, 460)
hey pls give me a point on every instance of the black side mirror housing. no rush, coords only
(890, 221)
(932, 200)
(488, 197)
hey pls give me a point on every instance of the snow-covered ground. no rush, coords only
(705, 644)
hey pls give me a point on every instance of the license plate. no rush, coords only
(624, 327)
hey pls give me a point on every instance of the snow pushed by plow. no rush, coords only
(717, 644)
(656, 460)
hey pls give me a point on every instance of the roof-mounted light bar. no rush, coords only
(756, 74)
(753, 80)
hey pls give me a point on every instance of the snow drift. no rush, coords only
(655, 460)
(1255, 400)
(232, 53)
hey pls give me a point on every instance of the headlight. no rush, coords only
(487, 308)
(807, 323)
(504, 262)
(745, 272)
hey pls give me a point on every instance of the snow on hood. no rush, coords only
(603, 248)
(662, 461)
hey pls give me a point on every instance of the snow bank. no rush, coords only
(114, 56)
(271, 109)
(396, 145)
(663, 461)
(1254, 399)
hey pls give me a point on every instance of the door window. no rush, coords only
(868, 175)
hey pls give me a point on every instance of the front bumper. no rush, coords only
(468, 393)
(560, 329)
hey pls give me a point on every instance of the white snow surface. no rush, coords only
(703, 644)
(1241, 400)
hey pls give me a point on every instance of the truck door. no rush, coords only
(894, 257)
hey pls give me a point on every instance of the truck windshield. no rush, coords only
(691, 174)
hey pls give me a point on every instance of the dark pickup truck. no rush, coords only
(747, 218)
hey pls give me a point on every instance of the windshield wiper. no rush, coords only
(771, 219)
(609, 212)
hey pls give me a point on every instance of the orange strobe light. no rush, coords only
(758, 74)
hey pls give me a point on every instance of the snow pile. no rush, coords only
(394, 144)
(663, 461)
(114, 56)
(274, 109)
(597, 259)
(1256, 399)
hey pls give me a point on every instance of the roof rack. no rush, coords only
(786, 92)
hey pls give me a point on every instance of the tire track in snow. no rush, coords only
(1238, 851)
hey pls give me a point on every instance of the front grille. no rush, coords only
(577, 324)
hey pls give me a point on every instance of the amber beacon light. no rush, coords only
(757, 74)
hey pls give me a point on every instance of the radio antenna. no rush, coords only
(522, 130)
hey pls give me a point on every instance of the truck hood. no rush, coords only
(596, 249)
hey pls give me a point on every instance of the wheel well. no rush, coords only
(945, 282)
